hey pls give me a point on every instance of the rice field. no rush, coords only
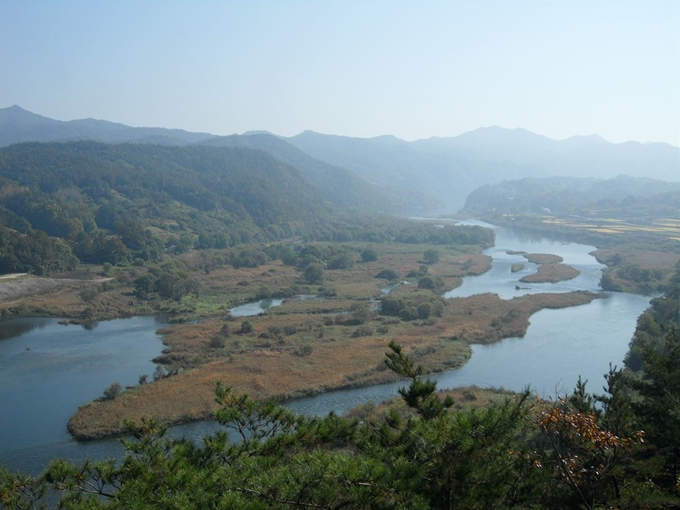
(664, 227)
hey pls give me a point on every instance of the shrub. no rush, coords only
(427, 282)
(246, 327)
(113, 391)
(314, 274)
(360, 313)
(369, 255)
(431, 256)
(364, 330)
(217, 342)
(88, 294)
(388, 274)
(304, 350)
(422, 271)
(343, 260)
(419, 306)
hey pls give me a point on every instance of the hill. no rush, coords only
(337, 185)
(428, 183)
(386, 174)
(113, 202)
(620, 197)
(441, 172)
(18, 125)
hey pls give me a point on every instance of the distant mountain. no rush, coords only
(337, 185)
(18, 125)
(386, 174)
(441, 172)
(577, 196)
(437, 181)
(578, 156)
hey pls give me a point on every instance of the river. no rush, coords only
(42, 386)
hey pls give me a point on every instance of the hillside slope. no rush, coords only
(337, 185)
(150, 198)
(18, 125)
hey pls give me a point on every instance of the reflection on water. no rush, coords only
(47, 370)
(18, 327)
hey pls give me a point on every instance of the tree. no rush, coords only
(113, 391)
(388, 274)
(369, 255)
(246, 327)
(658, 409)
(314, 274)
(431, 256)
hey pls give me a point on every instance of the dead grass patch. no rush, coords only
(551, 273)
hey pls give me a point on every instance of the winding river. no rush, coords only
(47, 370)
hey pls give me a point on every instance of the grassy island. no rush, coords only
(549, 270)
(323, 354)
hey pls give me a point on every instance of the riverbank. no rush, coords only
(265, 367)
(550, 269)
(551, 273)
(640, 259)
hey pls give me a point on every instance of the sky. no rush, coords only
(412, 69)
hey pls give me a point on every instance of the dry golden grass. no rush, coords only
(301, 347)
(551, 273)
(666, 227)
(646, 259)
(542, 258)
(267, 368)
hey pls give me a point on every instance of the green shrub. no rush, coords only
(113, 391)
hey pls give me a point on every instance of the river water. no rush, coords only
(47, 370)
(68, 366)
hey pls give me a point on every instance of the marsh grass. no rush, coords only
(551, 273)
(265, 367)
(301, 347)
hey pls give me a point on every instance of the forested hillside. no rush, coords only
(386, 174)
(121, 202)
(633, 197)
(18, 125)
(441, 172)
(426, 182)
(337, 185)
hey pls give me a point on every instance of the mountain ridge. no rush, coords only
(427, 176)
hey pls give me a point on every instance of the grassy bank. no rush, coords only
(551, 273)
(322, 354)
(302, 347)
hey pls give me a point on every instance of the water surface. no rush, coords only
(69, 366)
(47, 370)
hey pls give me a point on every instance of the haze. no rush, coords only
(363, 69)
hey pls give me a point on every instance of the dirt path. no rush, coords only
(13, 287)
(12, 275)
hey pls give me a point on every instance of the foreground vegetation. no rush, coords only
(616, 450)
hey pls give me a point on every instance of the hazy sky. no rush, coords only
(358, 68)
